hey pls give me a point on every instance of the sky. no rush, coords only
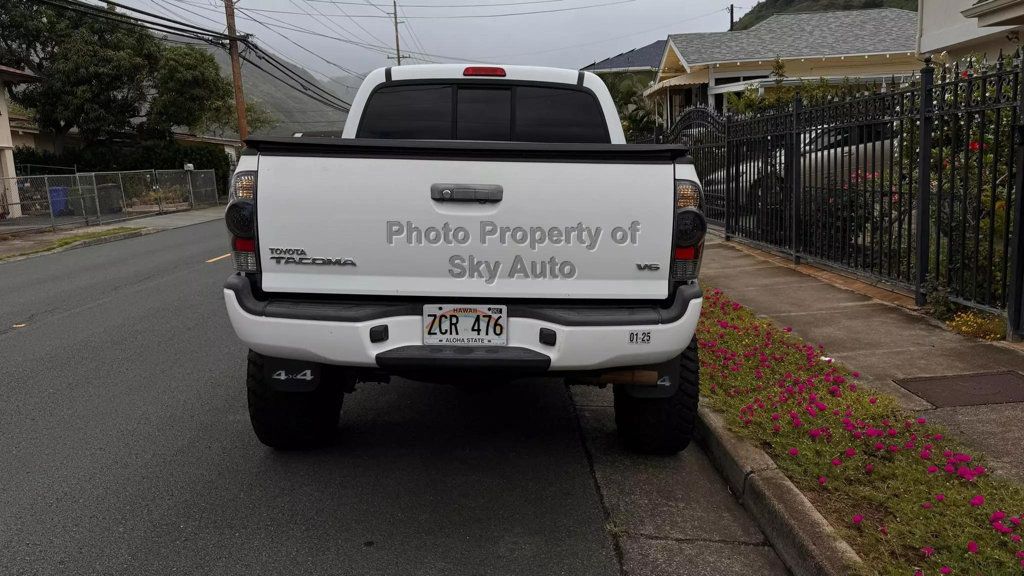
(570, 33)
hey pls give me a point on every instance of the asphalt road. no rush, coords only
(125, 448)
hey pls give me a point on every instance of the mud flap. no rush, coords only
(292, 375)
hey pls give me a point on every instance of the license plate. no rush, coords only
(465, 325)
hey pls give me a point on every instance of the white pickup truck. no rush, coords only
(473, 223)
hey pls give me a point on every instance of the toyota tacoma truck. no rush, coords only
(472, 223)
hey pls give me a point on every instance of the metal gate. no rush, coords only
(703, 130)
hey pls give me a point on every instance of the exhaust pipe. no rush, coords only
(632, 377)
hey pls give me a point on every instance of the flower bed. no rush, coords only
(909, 499)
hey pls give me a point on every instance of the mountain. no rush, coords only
(345, 86)
(293, 110)
(766, 8)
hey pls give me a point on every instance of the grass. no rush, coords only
(69, 240)
(911, 500)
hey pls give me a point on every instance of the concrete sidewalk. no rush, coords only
(886, 343)
(11, 246)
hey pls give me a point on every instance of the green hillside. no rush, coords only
(293, 111)
(766, 8)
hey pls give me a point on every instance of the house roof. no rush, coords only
(644, 58)
(805, 34)
(9, 74)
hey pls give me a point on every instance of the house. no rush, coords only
(958, 28)
(643, 61)
(871, 45)
(8, 186)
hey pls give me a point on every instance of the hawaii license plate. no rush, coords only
(465, 325)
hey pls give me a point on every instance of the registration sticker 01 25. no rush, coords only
(639, 336)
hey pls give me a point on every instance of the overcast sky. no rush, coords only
(571, 38)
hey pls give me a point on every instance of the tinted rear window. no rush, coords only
(557, 115)
(481, 112)
(414, 112)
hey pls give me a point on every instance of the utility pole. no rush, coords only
(732, 17)
(398, 48)
(236, 69)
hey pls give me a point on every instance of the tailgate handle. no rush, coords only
(465, 193)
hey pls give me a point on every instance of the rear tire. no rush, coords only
(662, 425)
(290, 420)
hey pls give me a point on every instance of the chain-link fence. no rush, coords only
(69, 200)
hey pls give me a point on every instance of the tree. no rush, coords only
(95, 73)
(635, 112)
(107, 79)
(189, 90)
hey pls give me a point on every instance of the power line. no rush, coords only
(353, 20)
(307, 94)
(307, 50)
(496, 4)
(196, 33)
(302, 82)
(123, 19)
(603, 40)
(460, 16)
(372, 47)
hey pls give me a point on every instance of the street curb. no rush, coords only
(84, 243)
(801, 536)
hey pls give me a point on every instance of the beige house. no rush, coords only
(701, 68)
(959, 28)
(8, 188)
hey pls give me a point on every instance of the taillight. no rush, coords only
(240, 217)
(484, 71)
(689, 230)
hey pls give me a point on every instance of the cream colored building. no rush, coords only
(868, 45)
(961, 28)
(8, 189)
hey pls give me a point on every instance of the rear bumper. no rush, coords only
(587, 337)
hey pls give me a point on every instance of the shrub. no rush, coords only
(910, 500)
(978, 324)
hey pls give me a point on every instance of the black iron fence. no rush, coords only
(916, 184)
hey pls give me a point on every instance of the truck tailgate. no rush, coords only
(400, 226)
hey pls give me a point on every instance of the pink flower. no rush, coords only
(822, 480)
(869, 468)
(945, 570)
(940, 497)
(850, 452)
(933, 469)
(997, 515)
(978, 500)
(793, 451)
(872, 400)
(857, 519)
(1016, 538)
(927, 551)
(918, 573)
(836, 461)
(855, 374)
(921, 420)
(927, 505)
(972, 547)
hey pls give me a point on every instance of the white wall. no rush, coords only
(8, 186)
(944, 29)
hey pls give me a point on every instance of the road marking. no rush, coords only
(19, 325)
(218, 258)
